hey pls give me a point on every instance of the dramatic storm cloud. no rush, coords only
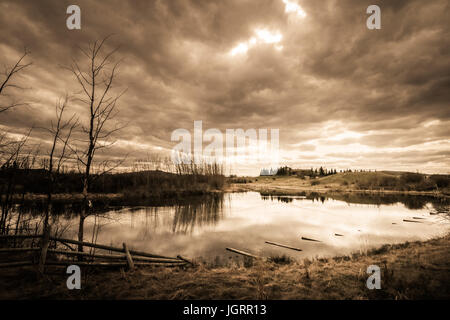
(341, 95)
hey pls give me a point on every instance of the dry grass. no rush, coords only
(343, 182)
(418, 270)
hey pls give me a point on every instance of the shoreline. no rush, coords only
(294, 186)
(410, 270)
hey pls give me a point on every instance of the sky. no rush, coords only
(341, 95)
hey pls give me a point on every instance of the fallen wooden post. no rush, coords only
(113, 264)
(111, 256)
(44, 247)
(283, 245)
(103, 247)
(18, 249)
(243, 253)
(309, 239)
(186, 260)
(406, 220)
(16, 264)
(20, 236)
(129, 258)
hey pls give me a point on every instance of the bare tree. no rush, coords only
(11, 149)
(7, 82)
(61, 132)
(96, 82)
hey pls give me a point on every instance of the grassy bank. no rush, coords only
(369, 182)
(412, 270)
(119, 188)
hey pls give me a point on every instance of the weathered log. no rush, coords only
(100, 246)
(243, 253)
(338, 235)
(16, 264)
(112, 264)
(111, 256)
(283, 246)
(406, 220)
(44, 247)
(309, 239)
(129, 258)
(19, 249)
(20, 236)
(186, 260)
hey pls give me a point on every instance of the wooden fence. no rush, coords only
(45, 254)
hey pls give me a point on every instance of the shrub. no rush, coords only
(410, 177)
(441, 181)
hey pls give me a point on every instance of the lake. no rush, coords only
(203, 229)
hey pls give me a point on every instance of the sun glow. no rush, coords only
(261, 36)
(292, 7)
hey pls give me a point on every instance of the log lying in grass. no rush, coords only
(243, 253)
(113, 264)
(186, 260)
(283, 245)
(20, 236)
(406, 220)
(111, 256)
(18, 249)
(99, 246)
(309, 239)
(16, 264)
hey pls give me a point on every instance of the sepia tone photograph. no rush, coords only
(225, 150)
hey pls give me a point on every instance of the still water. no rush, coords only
(202, 230)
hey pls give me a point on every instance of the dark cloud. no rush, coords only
(334, 84)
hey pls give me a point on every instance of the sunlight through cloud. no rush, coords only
(292, 7)
(262, 36)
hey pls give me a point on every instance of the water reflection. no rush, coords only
(409, 201)
(204, 227)
(200, 214)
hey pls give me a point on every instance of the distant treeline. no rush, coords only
(133, 184)
(317, 172)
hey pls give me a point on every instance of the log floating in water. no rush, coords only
(283, 246)
(242, 253)
(406, 220)
(309, 239)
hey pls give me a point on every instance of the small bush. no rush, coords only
(411, 177)
(284, 259)
(441, 181)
